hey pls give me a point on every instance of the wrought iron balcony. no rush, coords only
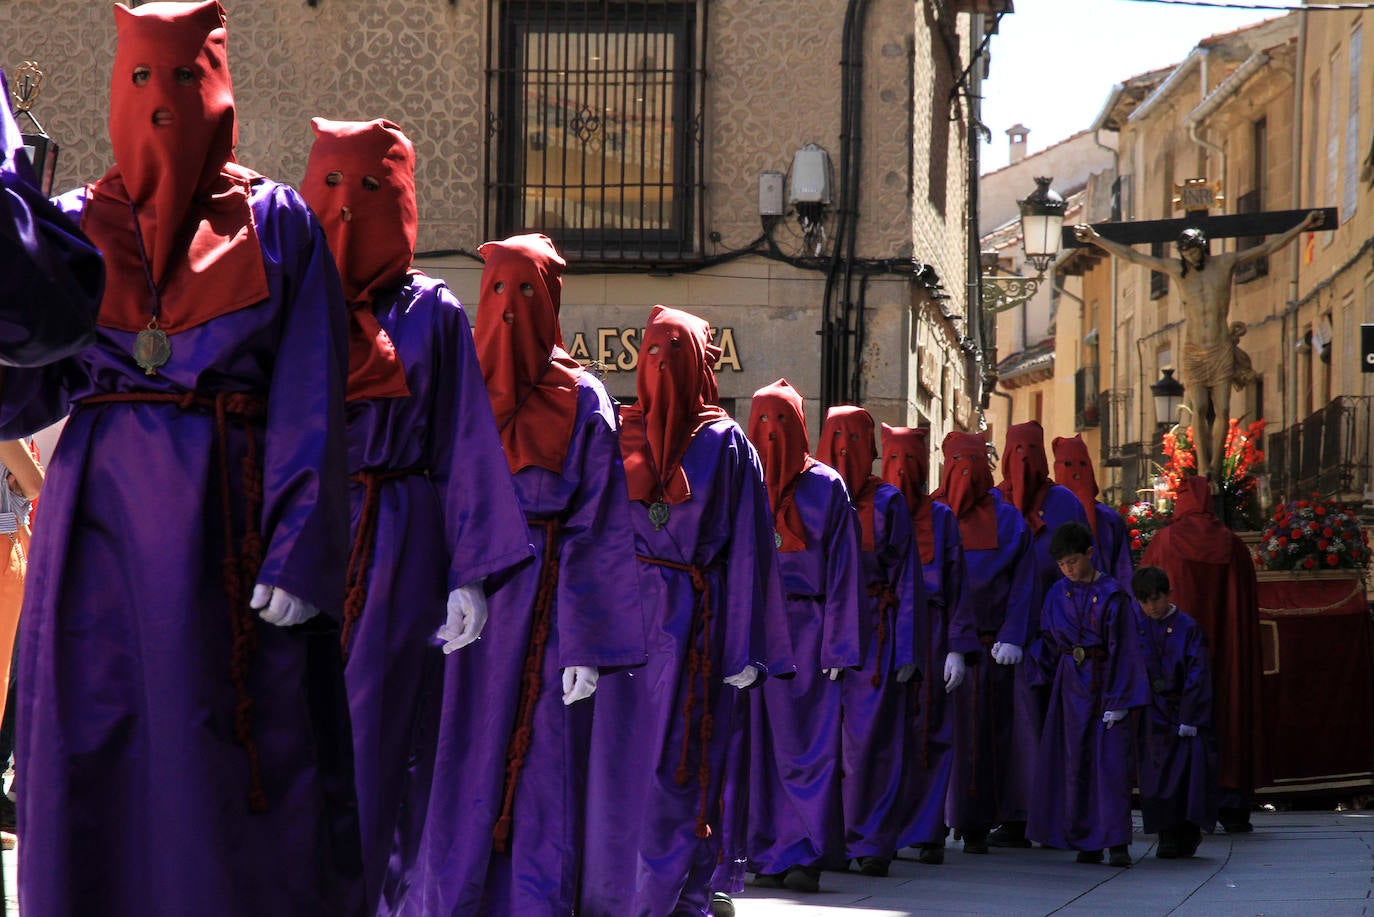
(1327, 454)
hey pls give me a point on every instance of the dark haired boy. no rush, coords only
(1088, 653)
(1177, 748)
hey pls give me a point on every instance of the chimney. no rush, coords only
(1018, 133)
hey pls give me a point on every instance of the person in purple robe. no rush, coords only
(53, 274)
(713, 614)
(796, 810)
(1073, 469)
(183, 733)
(503, 830)
(1176, 752)
(433, 509)
(929, 709)
(1045, 505)
(1088, 652)
(998, 587)
(875, 746)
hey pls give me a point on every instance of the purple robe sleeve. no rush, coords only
(753, 577)
(599, 617)
(1113, 546)
(901, 565)
(1021, 618)
(1195, 705)
(1124, 684)
(842, 643)
(305, 517)
(963, 627)
(53, 276)
(483, 521)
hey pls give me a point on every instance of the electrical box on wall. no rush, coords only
(770, 194)
(811, 176)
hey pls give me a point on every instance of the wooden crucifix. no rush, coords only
(1213, 362)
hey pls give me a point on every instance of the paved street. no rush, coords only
(1295, 863)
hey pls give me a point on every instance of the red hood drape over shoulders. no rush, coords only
(360, 182)
(906, 466)
(848, 445)
(1026, 472)
(531, 379)
(777, 428)
(676, 377)
(1073, 468)
(173, 212)
(965, 488)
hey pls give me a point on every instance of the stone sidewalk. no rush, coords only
(1295, 863)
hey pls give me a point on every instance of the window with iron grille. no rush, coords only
(595, 126)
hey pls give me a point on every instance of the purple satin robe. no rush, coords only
(796, 813)
(53, 274)
(1084, 770)
(876, 747)
(929, 712)
(643, 857)
(451, 520)
(1061, 505)
(999, 586)
(1177, 775)
(1112, 550)
(134, 788)
(595, 620)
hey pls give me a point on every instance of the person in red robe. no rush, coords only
(1214, 577)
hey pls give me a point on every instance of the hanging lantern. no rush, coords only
(38, 146)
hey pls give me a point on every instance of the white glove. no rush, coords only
(833, 674)
(1112, 717)
(1186, 732)
(279, 607)
(579, 683)
(467, 615)
(906, 673)
(1006, 653)
(743, 678)
(954, 671)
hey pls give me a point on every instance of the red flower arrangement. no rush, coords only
(1313, 535)
(1240, 457)
(1142, 521)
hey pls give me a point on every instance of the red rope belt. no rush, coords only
(531, 679)
(1097, 653)
(887, 601)
(698, 664)
(365, 545)
(243, 555)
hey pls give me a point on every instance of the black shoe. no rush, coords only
(805, 879)
(768, 879)
(874, 866)
(1009, 834)
(1120, 856)
(975, 842)
(1188, 838)
(930, 854)
(1235, 820)
(1168, 847)
(722, 906)
(1089, 856)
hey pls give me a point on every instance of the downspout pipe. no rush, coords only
(1211, 102)
(1290, 380)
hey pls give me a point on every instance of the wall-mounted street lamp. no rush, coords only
(1168, 395)
(1042, 219)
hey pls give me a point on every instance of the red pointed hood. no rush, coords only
(531, 379)
(848, 445)
(777, 428)
(1026, 471)
(906, 466)
(674, 381)
(360, 182)
(1073, 468)
(965, 487)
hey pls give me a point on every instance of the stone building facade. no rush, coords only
(751, 84)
